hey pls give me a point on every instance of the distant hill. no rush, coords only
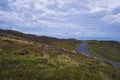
(31, 37)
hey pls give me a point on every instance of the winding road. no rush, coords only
(83, 49)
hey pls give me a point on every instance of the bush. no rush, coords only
(24, 52)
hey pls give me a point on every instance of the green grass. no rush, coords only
(65, 45)
(23, 60)
(109, 50)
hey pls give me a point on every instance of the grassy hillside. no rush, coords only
(109, 50)
(65, 44)
(21, 59)
(70, 44)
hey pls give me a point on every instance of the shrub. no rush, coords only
(24, 52)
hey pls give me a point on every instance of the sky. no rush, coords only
(80, 19)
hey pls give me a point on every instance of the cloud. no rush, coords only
(112, 19)
(85, 18)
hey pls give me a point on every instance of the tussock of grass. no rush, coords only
(66, 45)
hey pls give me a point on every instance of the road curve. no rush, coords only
(83, 49)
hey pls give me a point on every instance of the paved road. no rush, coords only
(82, 48)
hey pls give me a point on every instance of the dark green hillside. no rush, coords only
(106, 49)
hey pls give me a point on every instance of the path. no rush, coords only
(83, 49)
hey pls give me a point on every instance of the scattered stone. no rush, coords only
(73, 51)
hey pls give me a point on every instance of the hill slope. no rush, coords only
(22, 59)
(60, 43)
(109, 50)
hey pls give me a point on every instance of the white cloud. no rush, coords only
(111, 19)
(32, 13)
(96, 6)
